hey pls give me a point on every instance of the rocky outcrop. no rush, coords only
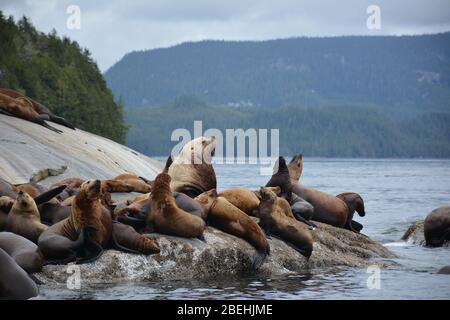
(30, 152)
(225, 255)
(415, 235)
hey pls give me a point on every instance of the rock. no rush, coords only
(415, 234)
(225, 255)
(30, 152)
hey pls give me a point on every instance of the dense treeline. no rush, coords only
(58, 73)
(343, 131)
(400, 75)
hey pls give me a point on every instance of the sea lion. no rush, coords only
(22, 107)
(354, 203)
(23, 251)
(24, 218)
(274, 221)
(191, 171)
(295, 168)
(444, 270)
(437, 227)
(14, 281)
(226, 217)
(88, 230)
(166, 217)
(38, 107)
(139, 184)
(327, 208)
(281, 179)
(6, 204)
(52, 213)
(242, 198)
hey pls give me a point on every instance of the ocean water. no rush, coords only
(396, 193)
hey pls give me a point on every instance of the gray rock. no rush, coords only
(415, 235)
(31, 152)
(223, 255)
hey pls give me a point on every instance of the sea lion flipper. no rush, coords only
(91, 255)
(258, 259)
(47, 196)
(308, 223)
(61, 121)
(36, 280)
(46, 125)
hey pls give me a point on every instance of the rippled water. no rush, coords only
(396, 194)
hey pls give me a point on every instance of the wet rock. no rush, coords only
(30, 152)
(415, 234)
(225, 255)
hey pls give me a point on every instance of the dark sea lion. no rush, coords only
(6, 204)
(242, 198)
(191, 171)
(128, 240)
(38, 107)
(23, 108)
(444, 270)
(437, 227)
(281, 179)
(226, 217)
(23, 251)
(52, 213)
(354, 203)
(275, 222)
(24, 218)
(14, 281)
(166, 217)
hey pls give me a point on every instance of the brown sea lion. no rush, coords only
(24, 218)
(437, 227)
(281, 179)
(275, 222)
(89, 229)
(23, 251)
(354, 203)
(226, 217)
(139, 184)
(191, 171)
(38, 107)
(23, 108)
(14, 281)
(242, 198)
(166, 217)
(295, 168)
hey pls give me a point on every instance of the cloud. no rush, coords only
(110, 29)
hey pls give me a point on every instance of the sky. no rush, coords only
(112, 28)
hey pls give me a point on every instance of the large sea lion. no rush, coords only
(23, 251)
(23, 108)
(225, 216)
(166, 217)
(191, 171)
(14, 281)
(88, 230)
(275, 222)
(24, 218)
(354, 203)
(437, 227)
(38, 107)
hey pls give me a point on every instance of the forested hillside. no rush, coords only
(403, 75)
(58, 73)
(341, 131)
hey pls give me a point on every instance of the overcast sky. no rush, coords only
(112, 28)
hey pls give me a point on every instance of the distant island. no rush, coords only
(353, 96)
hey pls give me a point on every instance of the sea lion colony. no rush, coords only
(75, 219)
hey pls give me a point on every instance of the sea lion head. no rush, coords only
(92, 189)
(24, 203)
(207, 199)
(295, 167)
(197, 151)
(267, 195)
(280, 165)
